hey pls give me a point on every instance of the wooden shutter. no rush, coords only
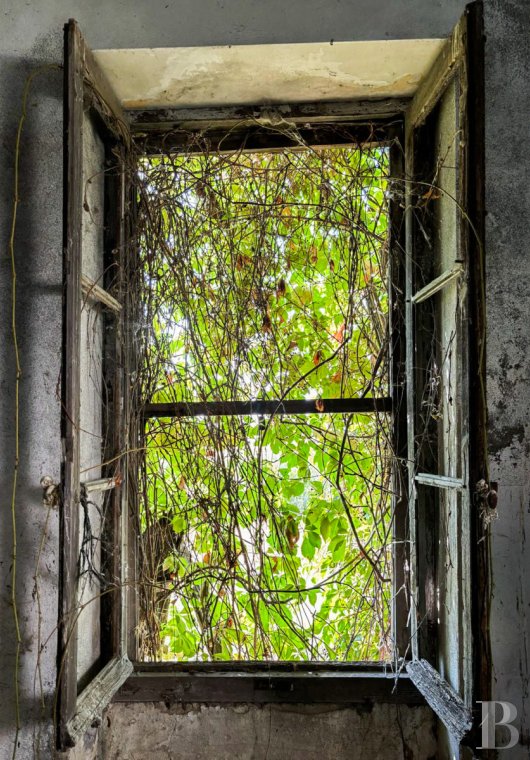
(93, 661)
(443, 346)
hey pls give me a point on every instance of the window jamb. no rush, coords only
(388, 130)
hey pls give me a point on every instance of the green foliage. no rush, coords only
(265, 276)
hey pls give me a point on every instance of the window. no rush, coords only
(438, 271)
(266, 492)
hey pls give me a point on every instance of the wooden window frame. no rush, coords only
(317, 123)
(265, 682)
(460, 63)
(86, 91)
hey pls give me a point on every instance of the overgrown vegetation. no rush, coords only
(264, 276)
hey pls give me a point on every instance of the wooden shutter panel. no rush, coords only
(94, 515)
(443, 244)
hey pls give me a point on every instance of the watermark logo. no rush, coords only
(491, 720)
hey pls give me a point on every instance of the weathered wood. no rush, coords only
(270, 684)
(95, 698)
(438, 283)
(419, 326)
(100, 95)
(130, 503)
(114, 422)
(73, 207)
(442, 698)
(259, 666)
(412, 580)
(439, 481)
(101, 484)
(400, 543)
(451, 246)
(433, 85)
(84, 83)
(245, 408)
(93, 290)
(226, 117)
(423, 453)
(119, 248)
(252, 139)
(437, 128)
(480, 559)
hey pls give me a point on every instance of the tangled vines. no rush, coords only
(264, 276)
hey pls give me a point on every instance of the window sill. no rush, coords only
(259, 683)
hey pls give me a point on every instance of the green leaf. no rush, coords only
(338, 549)
(308, 549)
(325, 528)
(295, 488)
(178, 523)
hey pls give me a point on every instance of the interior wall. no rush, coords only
(271, 732)
(508, 351)
(31, 36)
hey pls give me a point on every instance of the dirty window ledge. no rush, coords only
(333, 683)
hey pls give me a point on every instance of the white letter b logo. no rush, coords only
(509, 714)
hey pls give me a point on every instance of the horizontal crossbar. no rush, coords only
(439, 481)
(437, 284)
(162, 120)
(101, 484)
(266, 407)
(92, 290)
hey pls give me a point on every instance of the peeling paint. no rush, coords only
(265, 74)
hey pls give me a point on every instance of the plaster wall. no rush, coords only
(274, 732)
(508, 351)
(301, 72)
(30, 36)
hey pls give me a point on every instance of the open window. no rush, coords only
(93, 658)
(414, 383)
(265, 491)
(444, 379)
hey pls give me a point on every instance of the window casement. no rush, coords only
(92, 616)
(435, 270)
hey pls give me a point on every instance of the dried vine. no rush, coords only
(264, 275)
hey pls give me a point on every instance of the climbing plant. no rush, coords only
(264, 276)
